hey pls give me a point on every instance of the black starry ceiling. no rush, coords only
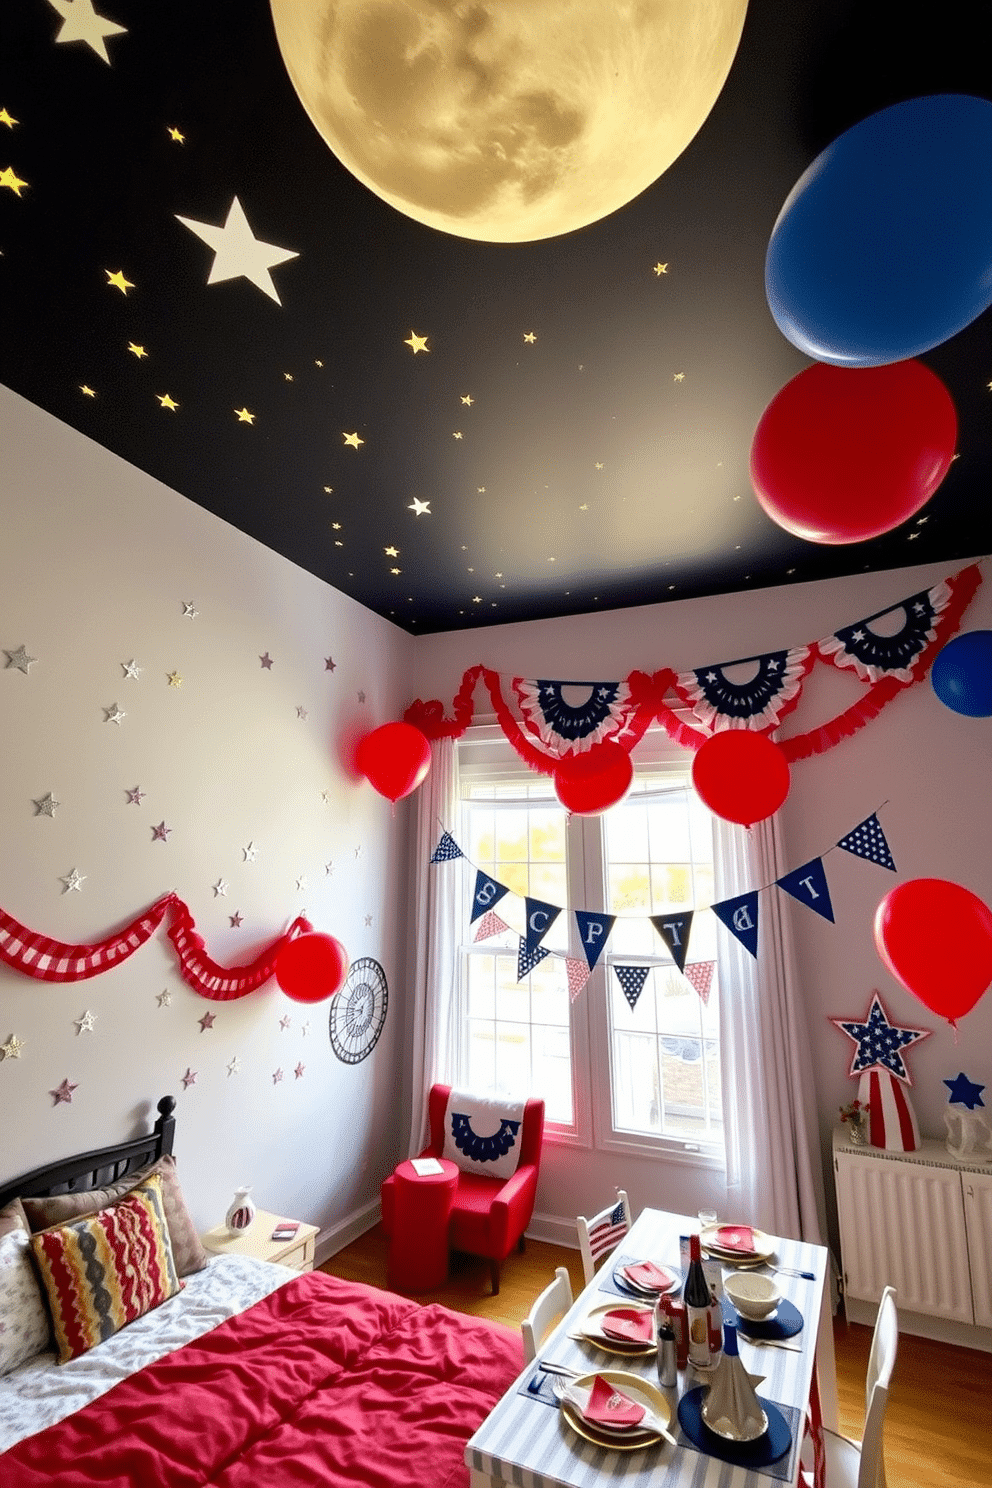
(453, 432)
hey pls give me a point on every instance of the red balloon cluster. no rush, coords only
(740, 775)
(589, 783)
(394, 759)
(843, 454)
(936, 938)
(311, 967)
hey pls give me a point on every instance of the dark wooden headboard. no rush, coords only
(97, 1168)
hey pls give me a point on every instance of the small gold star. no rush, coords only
(419, 507)
(329, 490)
(530, 337)
(7, 119)
(468, 400)
(457, 434)
(661, 268)
(174, 679)
(243, 416)
(584, 506)
(678, 377)
(87, 390)
(335, 526)
(416, 343)
(317, 362)
(912, 535)
(476, 598)
(391, 552)
(353, 440)
(11, 181)
(599, 465)
(497, 576)
(481, 490)
(175, 135)
(289, 377)
(135, 350)
(118, 281)
(166, 401)
(395, 570)
(921, 520)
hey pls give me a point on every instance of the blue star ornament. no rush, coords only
(964, 1092)
(879, 1042)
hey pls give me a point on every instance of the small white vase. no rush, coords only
(241, 1213)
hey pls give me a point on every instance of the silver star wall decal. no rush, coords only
(233, 1066)
(250, 852)
(85, 1023)
(113, 714)
(46, 805)
(238, 254)
(132, 669)
(237, 920)
(220, 888)
(298, 1071)
(301, 712)
(301, 883)
(276, 1077)
(20, 660)
(190, 611)
(284, 1022)
(80, 22)
(304, 1027)
(164, 998)
(12, 1048)
(73, 880)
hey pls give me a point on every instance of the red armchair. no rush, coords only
(489, 1215)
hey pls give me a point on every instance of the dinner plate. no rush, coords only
(592, 1329)
(636, 1288)
(764, 1249)
(638, 1389)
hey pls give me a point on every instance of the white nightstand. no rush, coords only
(297, 1253)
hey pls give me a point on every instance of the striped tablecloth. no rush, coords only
(527, 1442)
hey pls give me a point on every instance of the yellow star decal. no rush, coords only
(7, 119)
(176, 135)
(11, 181)
(584, 506)
(118, 281)
(458, 434)
(678, 377)
(481, 490)
(530, 337)
(243, 416)
(419, 508)
(476, 598)
(660, 269)
(288, 376)
(174, 679)
(599, 465)
(80, 22)
(138, 351)
(353, 440)
(416, 343)
(335, 526)
(468, 400)
(391, 552)
(329, 490)
(166, 401)
(87, 390)
(395, 570)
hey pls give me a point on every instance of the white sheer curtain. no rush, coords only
(438, 887)
(774, 1168)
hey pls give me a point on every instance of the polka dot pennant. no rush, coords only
(867, 840)
(632, 979)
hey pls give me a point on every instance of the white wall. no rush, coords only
(96, 563)
(930, 767)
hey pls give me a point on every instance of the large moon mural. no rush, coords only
(508, 120)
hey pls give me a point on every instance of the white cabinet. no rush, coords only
(921, 1222)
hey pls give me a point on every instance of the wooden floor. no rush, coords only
(937, 1432)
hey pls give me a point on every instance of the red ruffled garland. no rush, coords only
(54, 961)
(648, 700)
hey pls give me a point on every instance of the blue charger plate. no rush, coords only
(786, 1321)
(769, 1447)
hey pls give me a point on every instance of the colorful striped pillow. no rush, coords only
(106, 1269)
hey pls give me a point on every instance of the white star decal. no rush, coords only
(220, 887)
(164, 999)
(85, 1023)
(131, 669)
(72, 881)
(234, 1066)
(250, 852)
(80, 22)
(20, 659)
(238, 254)
(113, 715)
(46, 805)
(190, 611)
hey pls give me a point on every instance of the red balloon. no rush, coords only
(394, 758)
(843, 454)
(589, 783)
(936, 938)
(311, 967)
(740, 775)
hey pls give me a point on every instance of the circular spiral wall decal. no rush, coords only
(358, 1011)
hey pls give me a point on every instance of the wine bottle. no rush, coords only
(696, 1295)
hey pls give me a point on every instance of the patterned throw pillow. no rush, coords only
(12, 1217)
(483, 1135)
(187, 1251)
(25, 1328)
(106, 1269)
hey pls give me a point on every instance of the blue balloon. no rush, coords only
(961, 674)
(883, 248)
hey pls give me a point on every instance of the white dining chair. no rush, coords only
(603, 1233)
(552, 1304)
(848, 1464)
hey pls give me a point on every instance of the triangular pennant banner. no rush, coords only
(700, 975)
(594, 930)
(490, 924)
(446, 849)
(674, 931)
(808, 884)
(632, 979)
(528, 957)
(740, 915)
(867, 840)
(487, 893)
(578, 975)
(540, 918)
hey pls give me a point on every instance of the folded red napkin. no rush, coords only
(647, 1274)
(736, 1237)
(609, 1406)
(628, 1323)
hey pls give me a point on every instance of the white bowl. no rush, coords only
(753, 1295)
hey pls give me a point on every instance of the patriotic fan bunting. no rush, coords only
(446, 849)
(674, 931)
(808, 884)
(867, 840)
(740, 915)
(632, 979)
(490, 925)
(487, 892)
(772, 689)
(699, 974)
(594, 930)
(528, 957)
(878, 1041)
(873, 655)
(572, 716)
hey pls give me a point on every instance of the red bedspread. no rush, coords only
(325, 1382)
